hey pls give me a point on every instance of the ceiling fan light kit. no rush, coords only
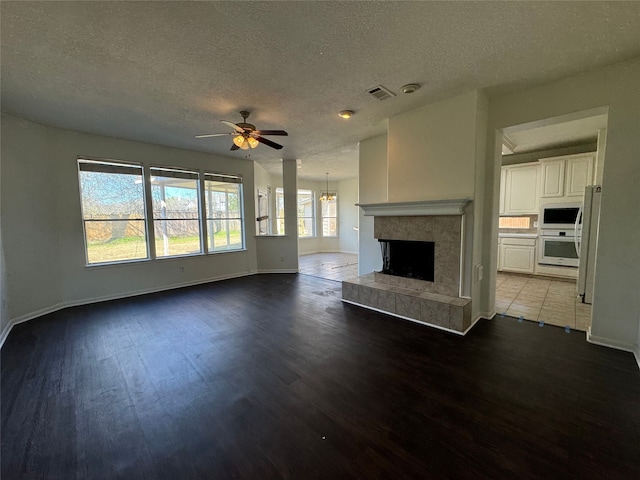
(246, 135)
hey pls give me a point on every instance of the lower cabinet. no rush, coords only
(517, 254)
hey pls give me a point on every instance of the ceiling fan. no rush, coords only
(246, 135)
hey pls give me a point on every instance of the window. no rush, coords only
(223, 199)
(116, 227)
(329, 212)
(279, 211)
(113, 211)
(306, 217)
(176, 212)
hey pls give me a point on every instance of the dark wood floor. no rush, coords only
(271, 376)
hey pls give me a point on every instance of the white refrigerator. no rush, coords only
(587, 241)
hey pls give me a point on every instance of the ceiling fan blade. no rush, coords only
(268, 142)
(270, 132)
(213, 135)
(234, 147)
(233, 125)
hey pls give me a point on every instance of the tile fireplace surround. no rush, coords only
(436, 303)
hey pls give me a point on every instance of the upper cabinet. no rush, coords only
(553, 178)
(566, 176)
(579, 174)
(521, 191)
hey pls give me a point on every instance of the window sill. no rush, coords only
(120, 263)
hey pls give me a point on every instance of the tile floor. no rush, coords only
(332, 266)
(540, 298)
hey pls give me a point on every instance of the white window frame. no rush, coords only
(184, 174)
(322, 217)
(312, 203)
(280, 219)
(230, 179)
(112, 166)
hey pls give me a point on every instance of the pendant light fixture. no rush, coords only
(327, 196)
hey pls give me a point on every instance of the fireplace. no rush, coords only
(425, 250)
(407, 258)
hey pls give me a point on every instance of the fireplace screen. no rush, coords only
(405, 258)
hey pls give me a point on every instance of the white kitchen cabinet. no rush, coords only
(517, 255)
(553, 178)
(566, 176)
(521, 189)
(579, 175)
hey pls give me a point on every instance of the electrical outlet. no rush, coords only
(181, 268)
(282, 258)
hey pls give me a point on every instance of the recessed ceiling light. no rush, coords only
(410, 88)
(346, 113)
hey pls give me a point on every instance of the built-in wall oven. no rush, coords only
(558, 247)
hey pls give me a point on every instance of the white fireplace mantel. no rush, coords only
(423, 207)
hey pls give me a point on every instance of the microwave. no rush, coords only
(560, 216)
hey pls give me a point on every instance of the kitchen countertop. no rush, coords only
(517, 235)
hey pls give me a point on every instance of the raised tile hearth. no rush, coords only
(419, 304)
(436, 303)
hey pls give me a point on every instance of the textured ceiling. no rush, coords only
(162, 72)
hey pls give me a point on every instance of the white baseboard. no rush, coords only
(608, 342)
(5, 332)
(328, 251)
(103, 298)
(276, 270)
(487, 315)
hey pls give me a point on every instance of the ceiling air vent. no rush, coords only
(380, 93)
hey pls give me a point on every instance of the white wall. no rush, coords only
(372, 175)
(348, 215)
(432, 151)
(29, 216)
(280, 253)
(474, 225)
(318, 243)
(616, 307)
(347, 239)
(42, 227)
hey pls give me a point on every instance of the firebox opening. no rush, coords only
(406, 258)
